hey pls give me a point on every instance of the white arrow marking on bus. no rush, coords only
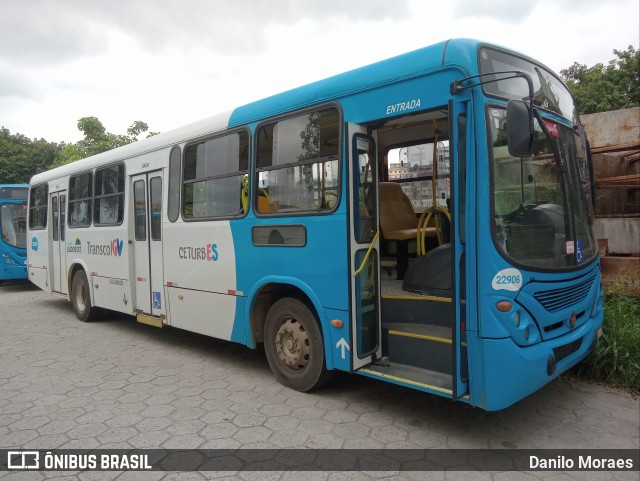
(342, 344)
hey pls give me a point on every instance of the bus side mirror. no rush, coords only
(519, 129)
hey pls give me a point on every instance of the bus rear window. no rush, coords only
(38, 207)
(14, 193)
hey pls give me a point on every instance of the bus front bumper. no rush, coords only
(512, 372)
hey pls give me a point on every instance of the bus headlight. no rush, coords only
(8, 260)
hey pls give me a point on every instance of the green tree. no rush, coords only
(97, 140)
(606, 87)
(22, 157)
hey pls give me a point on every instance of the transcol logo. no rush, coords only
(112, 249)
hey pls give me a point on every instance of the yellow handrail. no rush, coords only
(421, 232)
(364, 261)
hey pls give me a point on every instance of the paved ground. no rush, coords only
(116, 384)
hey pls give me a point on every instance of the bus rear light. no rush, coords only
(504, 306)
(337, 323)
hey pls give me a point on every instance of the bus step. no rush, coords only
(420, 345)
(411, 376)
(383, 361)
(150, 320)
(412, 309)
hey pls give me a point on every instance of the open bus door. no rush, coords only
(364, 249)
(410, 328)
(461, 274)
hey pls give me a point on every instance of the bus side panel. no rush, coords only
(200, 272)
(104, 253)
(319, 269)
(38, 258)
(112, 293)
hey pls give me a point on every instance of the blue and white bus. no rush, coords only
(13, 231)
(425, 221)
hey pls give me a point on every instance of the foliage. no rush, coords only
(606, 87)
(21, 157)
(616, 357)
(97, 140)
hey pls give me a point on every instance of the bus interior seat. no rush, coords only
(264, 205)
(398, 222)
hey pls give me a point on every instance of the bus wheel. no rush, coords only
(293, 345)
(81, 297)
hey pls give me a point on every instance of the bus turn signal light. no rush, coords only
(504, 306)
(337, 323)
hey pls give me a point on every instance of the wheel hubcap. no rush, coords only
(292, 345)
(80, 298)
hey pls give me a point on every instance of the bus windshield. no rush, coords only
(541, 208)
(13, 224)
(550, 93)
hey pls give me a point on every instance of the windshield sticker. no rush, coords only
(552, 128)
(507, 280)
(579, 254)
(570, 247)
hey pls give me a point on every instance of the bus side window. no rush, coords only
(80, 200)
(297, 163)
(109, 195)
(173, 201)
(213, 176)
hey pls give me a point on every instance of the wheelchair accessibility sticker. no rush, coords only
(157, 303)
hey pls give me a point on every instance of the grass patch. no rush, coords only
(616, 358)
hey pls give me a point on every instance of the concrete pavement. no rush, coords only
(114, 383)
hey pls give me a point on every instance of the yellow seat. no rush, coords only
(398, 220)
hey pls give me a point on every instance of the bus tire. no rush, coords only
(293, 345)
(81, 297)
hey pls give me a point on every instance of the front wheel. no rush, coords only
(81, 297)
(293, 345)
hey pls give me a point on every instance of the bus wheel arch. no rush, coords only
(287, 322)
(80, 294)
(75, 267)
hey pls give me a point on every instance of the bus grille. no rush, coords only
(557, 299)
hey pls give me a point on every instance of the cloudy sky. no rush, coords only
(171, 62)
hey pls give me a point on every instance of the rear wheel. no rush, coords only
(81, 297)
(294, 347)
